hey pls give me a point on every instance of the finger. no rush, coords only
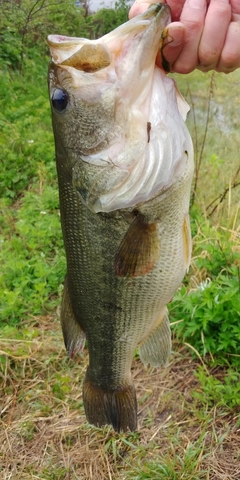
(235, 4)
(140, 6)
(176, 8)
(192, 17)
(230, 56)
(214, 33)
(173, 43)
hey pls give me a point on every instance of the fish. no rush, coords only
(124, 161)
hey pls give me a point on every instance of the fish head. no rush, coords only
(118, 120)
(94, 84)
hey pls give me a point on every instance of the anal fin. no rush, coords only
(73, 334)
(110, 407)
(156, 349)
(139, 249)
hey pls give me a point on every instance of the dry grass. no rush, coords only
(44, 433)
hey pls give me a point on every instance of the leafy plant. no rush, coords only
(107, 19)
(207, 316)
(24, 23)
(223, 391)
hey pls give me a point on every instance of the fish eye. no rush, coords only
(60, 99)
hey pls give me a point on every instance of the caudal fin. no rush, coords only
(110, 407)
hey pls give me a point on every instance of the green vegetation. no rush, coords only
(188, 412)
(207, 316)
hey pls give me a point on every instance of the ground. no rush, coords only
(44, 433)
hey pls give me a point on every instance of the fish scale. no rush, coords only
(125, 162)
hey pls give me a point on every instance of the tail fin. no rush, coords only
(115, 407)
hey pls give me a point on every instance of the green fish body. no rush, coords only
(125, 163)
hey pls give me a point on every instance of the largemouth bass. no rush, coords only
(125, 163)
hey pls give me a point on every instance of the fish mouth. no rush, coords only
(139, 40)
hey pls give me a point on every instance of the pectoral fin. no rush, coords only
(156, 349)
(139, 250)
(74, 336)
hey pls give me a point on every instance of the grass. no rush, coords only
(219, 146)
(32, 257)
(44, 433)
(189, 424)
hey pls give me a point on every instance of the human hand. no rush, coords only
(205, 34)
